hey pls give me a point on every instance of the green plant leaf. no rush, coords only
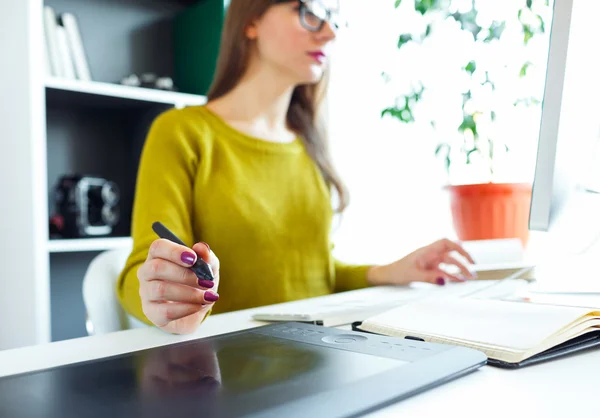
(527, 101)
(469, 153)
(488, 81)
(418, 94)
(524, 68)
(467, 96)
(468, 21)
(471, 67)
(529, 3)
(442, 146)
(495, 31)
(403, 114)
(397, 4)
(424, 6)
(468, 123)
(542, 24)
(493, 115)
(391, 111)
(527, 34)
(403, 39)
(428, 30)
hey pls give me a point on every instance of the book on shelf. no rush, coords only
(65, 52)
(68, 71)
(511, 334)
(51, 42)
(80, 63)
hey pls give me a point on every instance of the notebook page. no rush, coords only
(511, 356)
(511, 325)
(590, 321)
(576, 331)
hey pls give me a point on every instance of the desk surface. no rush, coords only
(562, 387)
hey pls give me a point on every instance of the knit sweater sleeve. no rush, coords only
(350, 276)
(163, 193)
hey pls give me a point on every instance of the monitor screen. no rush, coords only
(566, 200)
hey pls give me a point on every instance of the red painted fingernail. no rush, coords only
(188, 258)
(206, 283)
(211, 297)
(440, 281)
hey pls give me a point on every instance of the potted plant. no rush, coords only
(478, 74)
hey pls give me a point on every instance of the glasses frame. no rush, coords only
(303, 10)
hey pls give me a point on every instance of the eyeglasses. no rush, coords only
(314, 14)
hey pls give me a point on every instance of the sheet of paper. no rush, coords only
(495, 251)
(513, 325)
(492, 254)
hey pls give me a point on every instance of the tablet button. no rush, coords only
(343, 339)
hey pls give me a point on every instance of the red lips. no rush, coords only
(317, 55)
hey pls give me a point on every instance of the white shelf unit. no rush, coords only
(54, 126)
(88, 244)
(97, 90)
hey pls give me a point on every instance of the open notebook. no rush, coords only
(511, 334)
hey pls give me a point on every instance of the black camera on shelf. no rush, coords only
(85, 206)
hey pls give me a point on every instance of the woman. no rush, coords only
(250, 174)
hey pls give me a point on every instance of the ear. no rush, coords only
(251, 31)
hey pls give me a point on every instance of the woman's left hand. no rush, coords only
(423, 265)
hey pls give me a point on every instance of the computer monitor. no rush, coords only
(566, 188)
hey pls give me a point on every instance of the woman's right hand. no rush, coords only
(173, 298)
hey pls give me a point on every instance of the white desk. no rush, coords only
(563, 387)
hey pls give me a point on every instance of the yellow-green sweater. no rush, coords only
(262, 207)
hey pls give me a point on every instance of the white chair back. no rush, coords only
(103, 309)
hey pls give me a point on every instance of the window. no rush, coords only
(395, 181)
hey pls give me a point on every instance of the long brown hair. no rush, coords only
(303, 115)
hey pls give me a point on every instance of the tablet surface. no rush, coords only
(279, 370)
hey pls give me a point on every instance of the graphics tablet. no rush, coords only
(279, 370)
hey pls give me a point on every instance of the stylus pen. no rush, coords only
(200, 267)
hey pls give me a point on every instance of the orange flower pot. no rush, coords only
(491, 211)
